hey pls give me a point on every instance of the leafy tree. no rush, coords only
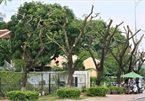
(5, 51)
(110, 65)
(29, 27)
(20, 65)
(3, 25)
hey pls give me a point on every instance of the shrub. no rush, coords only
(20, 95)
(116, 89)
(91, 91)
(120, 90)
(97, 91)
(68, 93)
(61, 92)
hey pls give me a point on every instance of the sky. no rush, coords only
(118, 10)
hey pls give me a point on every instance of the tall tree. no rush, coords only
(122, 56)
(29, 28)
(106, 35)
(71, 44)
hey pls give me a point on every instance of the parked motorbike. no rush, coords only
(140, 88)
(134, 89)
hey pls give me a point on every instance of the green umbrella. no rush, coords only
(132, 75)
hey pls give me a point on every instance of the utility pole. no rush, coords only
(135, 6)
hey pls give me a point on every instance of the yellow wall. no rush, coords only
(88, 63)
(61, 59)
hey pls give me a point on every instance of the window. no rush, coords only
(1, 19)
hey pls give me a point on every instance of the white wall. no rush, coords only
(82, 78)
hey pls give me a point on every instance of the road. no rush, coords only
(140, 99)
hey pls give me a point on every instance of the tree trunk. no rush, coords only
(118, 76)
(99, 76)
(25, 76)
(70, 79)
(71, 71)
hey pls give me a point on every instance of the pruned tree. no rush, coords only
(68, 48)
(134, 53)
(107, 37)
(122, 56)
(31, 60)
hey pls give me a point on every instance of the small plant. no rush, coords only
(97, 91)
(116, 90)
(68, 93)
(22, 95)
(83, 89)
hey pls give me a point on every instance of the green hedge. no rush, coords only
(97, 91)
(116, 90)
(68, 93)
(22, 95)
(10, 81)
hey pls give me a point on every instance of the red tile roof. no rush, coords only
(5, 33)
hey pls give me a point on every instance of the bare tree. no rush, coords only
(26, 55)
(107, 37)
(122, 57)
(134, 58)
(68, 52)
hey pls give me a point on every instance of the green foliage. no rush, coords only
(120, 90)
(116, 89)
(3, 25)
(93, 81)
(142, 72)
(10, 76)
(83, 89)
(68, 93)
(97, 91)
(5, 51)
(20, 95)
(19, 65)
(110, 65)
(10, 81)
(61, 92)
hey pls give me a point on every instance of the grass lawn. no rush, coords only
(54, 97)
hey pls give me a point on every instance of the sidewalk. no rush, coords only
(122, 97)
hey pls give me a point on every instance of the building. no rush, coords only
(89, 64)
(2, 17)
(5, 34)
(60, 60)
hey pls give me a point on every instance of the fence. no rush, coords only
(49, 82)
(43, 82)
